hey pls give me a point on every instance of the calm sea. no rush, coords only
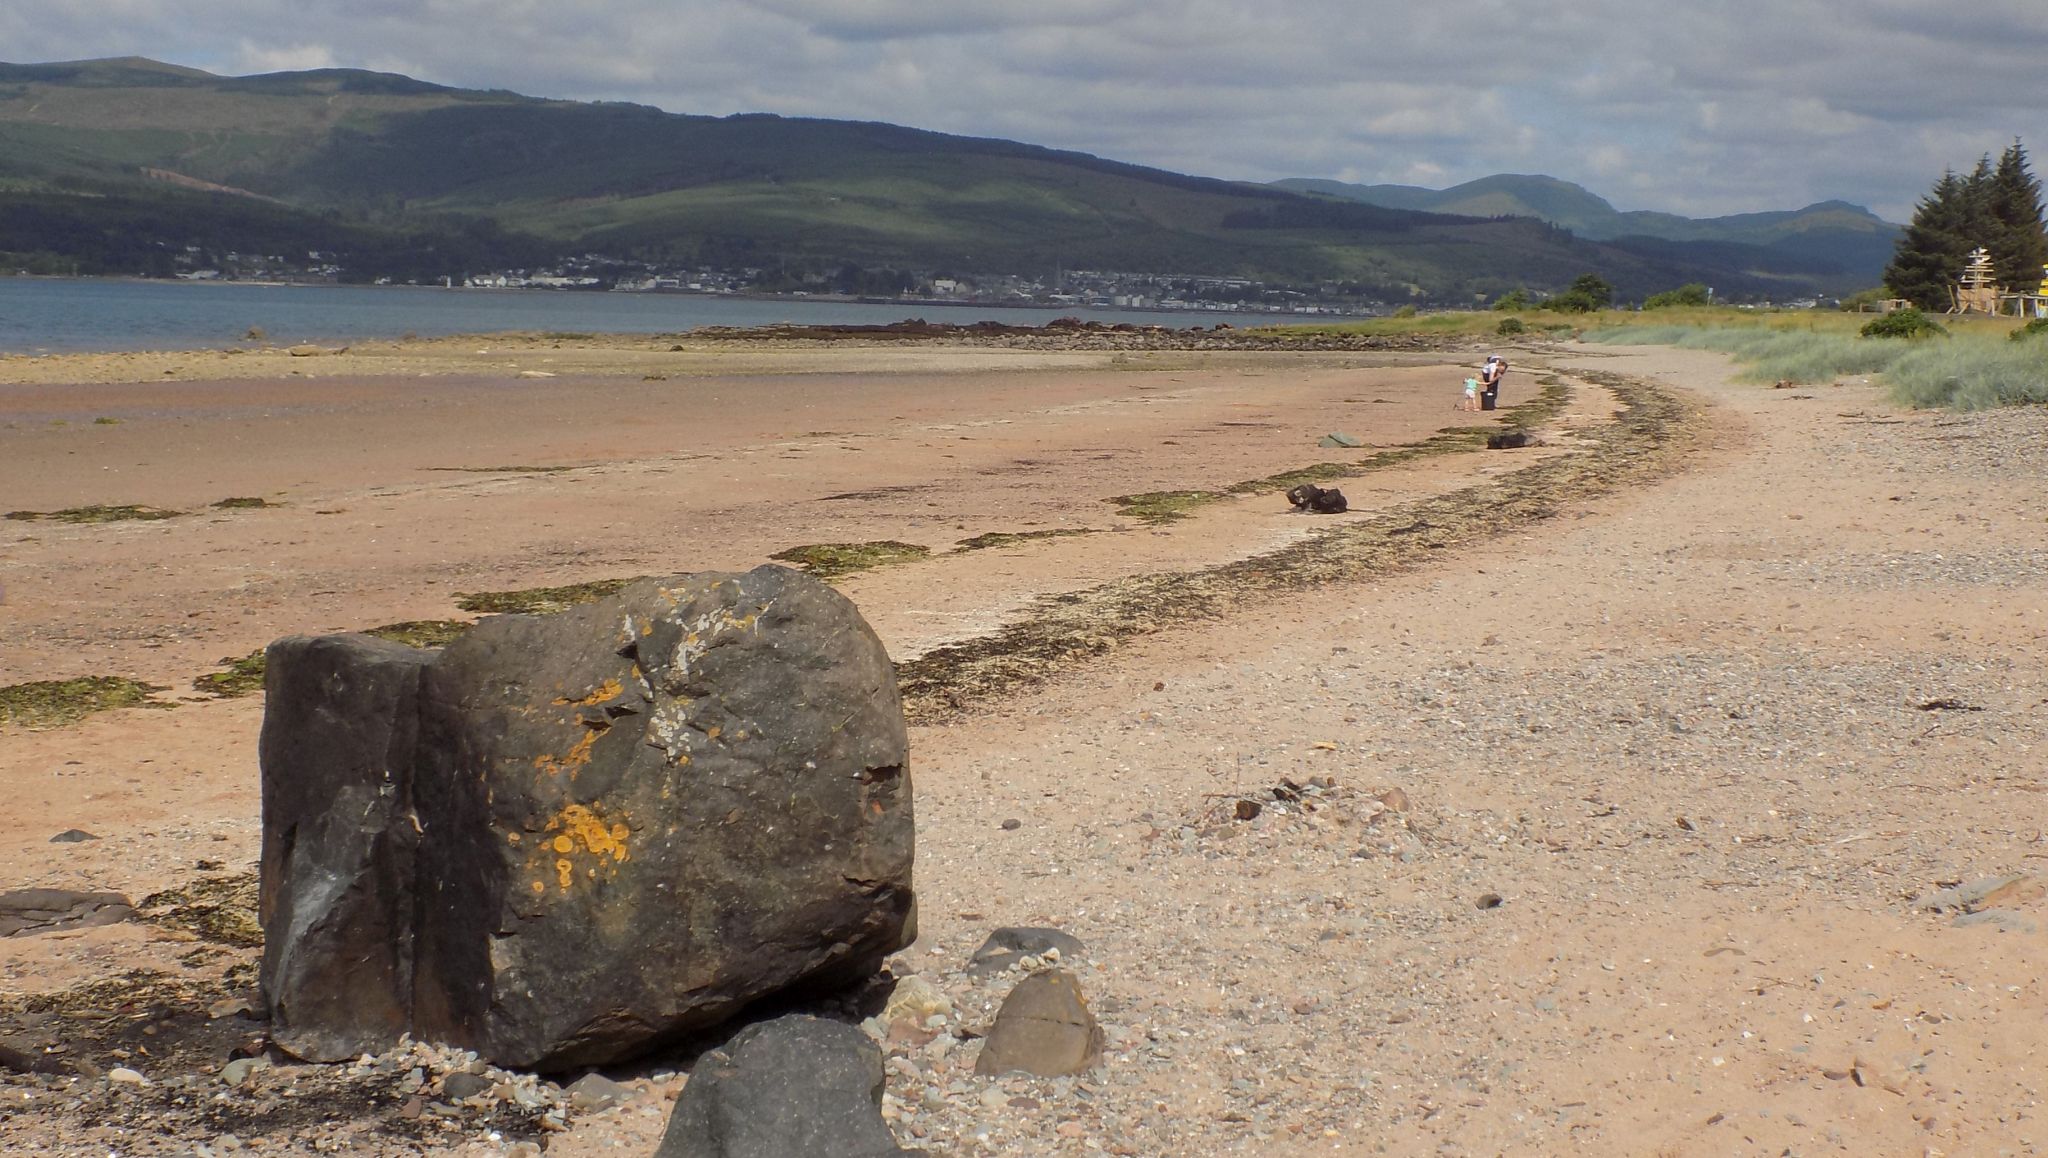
(53, 315)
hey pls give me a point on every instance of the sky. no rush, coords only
(1704, 108)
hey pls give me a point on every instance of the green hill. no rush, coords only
(120, 165)
(1824, 239)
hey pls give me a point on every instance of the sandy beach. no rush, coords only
(1639, 758)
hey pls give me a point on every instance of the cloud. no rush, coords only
(1706, 107)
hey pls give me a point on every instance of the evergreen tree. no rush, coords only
(1931, 252)
(2019, 241)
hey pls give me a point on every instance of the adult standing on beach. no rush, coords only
(1489, 380)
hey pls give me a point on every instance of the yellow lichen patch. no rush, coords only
(589, 830)
(575, 758)
(578, 837)
(607, 691)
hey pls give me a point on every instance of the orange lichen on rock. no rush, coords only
(573, 760)
(605, 692)
(578, 831)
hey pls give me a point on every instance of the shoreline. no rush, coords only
(1625, 774)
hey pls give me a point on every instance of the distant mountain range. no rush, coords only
(133, 166)
(1825, 233)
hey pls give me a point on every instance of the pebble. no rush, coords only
(122, 1075)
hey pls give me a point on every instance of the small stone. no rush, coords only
(72, 836)
(458, 1087)
(227, 1142)
(1013, 944)
(239, 1071)
(25, 912)
(230, 1007)
(1488, 901)
(1249, 809)
(915, 1001)
(592, 1093)
(1044, 1028)
(1012, 824)
(1069, 1130)
(1395, 799)
(122, 1075)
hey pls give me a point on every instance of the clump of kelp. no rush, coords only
(1645, 441)
(541, 600)
(56, 703)
(102, 513)
(830, 561)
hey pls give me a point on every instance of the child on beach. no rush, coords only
(1471, 401)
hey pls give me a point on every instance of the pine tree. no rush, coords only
(2019, 241)
(1931, 252)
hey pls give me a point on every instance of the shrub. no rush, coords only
(1515, 299)
(1906, 323)
(1405, 312)
(1588, 292)
(1689, 294)
(1514, 326)
(2036, 328)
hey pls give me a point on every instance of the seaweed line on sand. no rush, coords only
(1156, 508)
(1646, 440)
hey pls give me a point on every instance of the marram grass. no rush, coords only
(1964, 372)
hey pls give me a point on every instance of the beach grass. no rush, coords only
(1972, 370)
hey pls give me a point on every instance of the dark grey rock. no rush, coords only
(796, 1085)
(613, 826)
(26, 912)
(462, 1085)
(1012, 943)
(72, 836)
(1043, 1028)
(25, 1060)
(338, 894)
(1338, 438)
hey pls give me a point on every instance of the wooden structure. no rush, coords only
(2028, 305)
(1977, 292)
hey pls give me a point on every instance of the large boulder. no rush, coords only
(337, 901)
(796, 1085)
(629, 820)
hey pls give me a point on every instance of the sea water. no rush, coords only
(56, 315)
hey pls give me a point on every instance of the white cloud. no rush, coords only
(257, 58)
